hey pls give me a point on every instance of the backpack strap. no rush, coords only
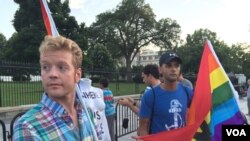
(189, 100)
(152, 113)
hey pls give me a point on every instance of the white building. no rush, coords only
(145, 57)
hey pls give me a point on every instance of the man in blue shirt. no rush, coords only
(151, 77)
(164, 107)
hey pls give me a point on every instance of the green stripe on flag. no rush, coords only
(222, 94)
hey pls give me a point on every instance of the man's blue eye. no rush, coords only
(62, 67)
(45, 67)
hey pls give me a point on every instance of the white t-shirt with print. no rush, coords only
(94, 100)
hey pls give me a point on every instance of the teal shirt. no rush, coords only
(109, 102)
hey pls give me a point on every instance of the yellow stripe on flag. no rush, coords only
(217, 78)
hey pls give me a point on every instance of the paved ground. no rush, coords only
(243, 107)
(127, 137)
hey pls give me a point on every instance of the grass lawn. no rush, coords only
(120, 89)
(22, 93)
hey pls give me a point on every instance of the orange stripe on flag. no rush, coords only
(45, 18)
(213, 64)
(48, 20)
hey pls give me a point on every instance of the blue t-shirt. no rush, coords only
(147, 88)
(166, 109)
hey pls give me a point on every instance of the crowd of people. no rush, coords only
(72, 109)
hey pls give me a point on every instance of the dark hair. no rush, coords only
(152, 69)
(104, 82)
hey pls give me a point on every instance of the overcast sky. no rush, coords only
(230, 19)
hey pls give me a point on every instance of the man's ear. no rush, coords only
(160, 71)
(78, 74)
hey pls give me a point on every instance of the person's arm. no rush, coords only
(129, 102)
(134, 108)
(124, 101)
(143, 126)
(145, 113)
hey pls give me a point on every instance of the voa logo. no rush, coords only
(236, 132)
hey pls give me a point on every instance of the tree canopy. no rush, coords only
(100, 61)
(120, 33)
(130, 27)
(234, 59)
(2, 44)
(30, 29)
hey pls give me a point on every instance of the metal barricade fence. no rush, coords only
(16, 117)
(20, 83)
(3, 129)
(7, 135)
(125, 115)
(122, 112)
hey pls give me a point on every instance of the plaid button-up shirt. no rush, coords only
(48, 121)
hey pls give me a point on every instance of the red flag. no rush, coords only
(202, 100)
(48, 20)
(199, 109)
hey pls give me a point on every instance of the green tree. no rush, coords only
(30, 31)
(81, 38)
(30, 28)
(122, 72)
(192, 50)
(237, 57)
(137, 70)
(130, 27)
(246, 65)
(2, 44)
(101, 60)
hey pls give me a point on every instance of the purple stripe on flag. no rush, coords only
(236, 119)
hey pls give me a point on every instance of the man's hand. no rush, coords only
(126, 101)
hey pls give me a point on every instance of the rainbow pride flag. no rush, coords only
(225, 108)
(214, 103)
(48, 20)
